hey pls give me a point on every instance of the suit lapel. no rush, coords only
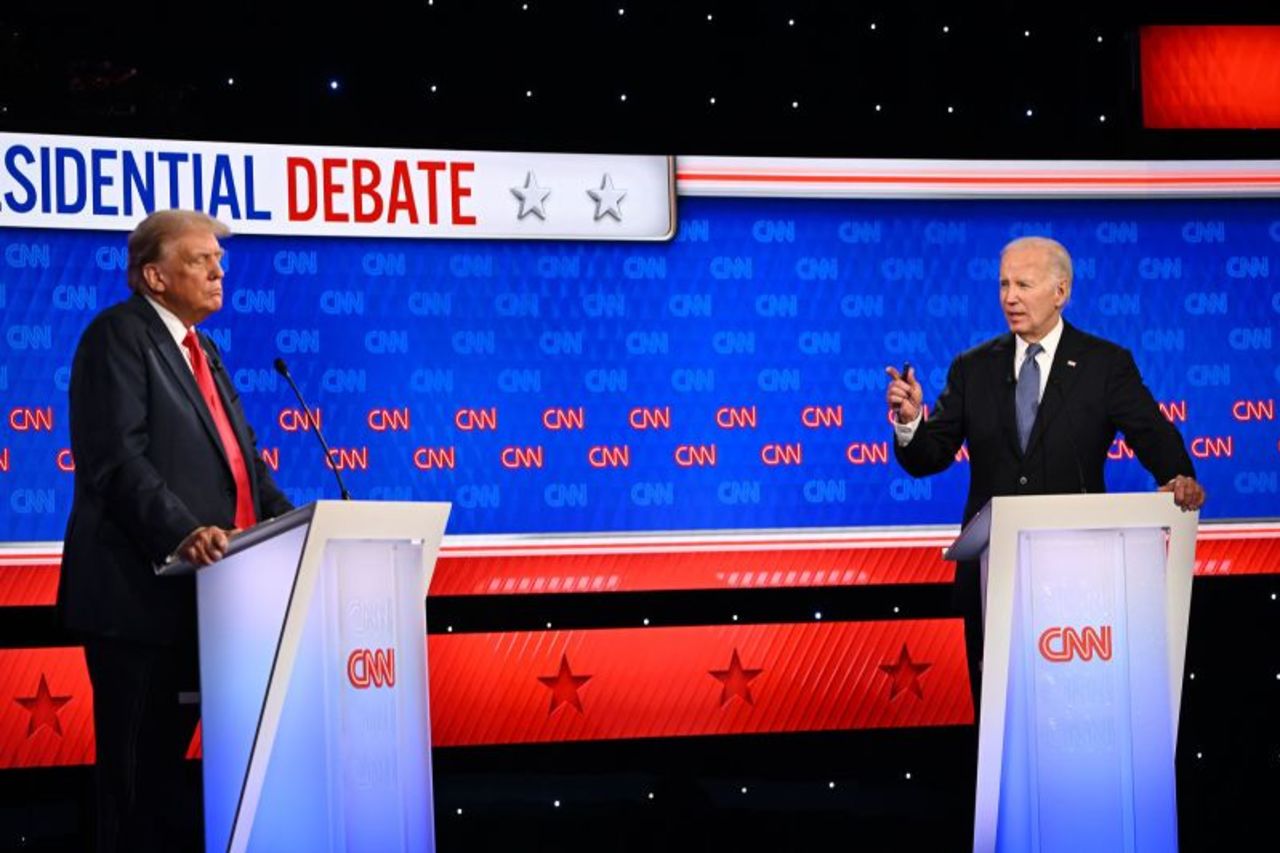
(1001, 381)
(177, 364)
(1067, 363)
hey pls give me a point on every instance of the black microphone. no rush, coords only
(1071, 430)
(283, 370)
(215, 362)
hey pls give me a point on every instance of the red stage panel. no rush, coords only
(498, 574)
(1217, 557)
(1211, 77)
(46, 708)
(528, 687)
(28, 583)
(648, 565)
(195, 749)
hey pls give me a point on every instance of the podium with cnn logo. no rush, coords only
(313, 681)
(1086, 599)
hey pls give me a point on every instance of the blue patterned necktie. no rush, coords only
(1028, 394)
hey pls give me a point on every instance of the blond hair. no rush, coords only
(151, 238)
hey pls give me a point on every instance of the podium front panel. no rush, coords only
(242, 605)
(350, 764)
(314, 679)
(1088, 754)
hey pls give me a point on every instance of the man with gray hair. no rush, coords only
(165, 466)
(1038, 408)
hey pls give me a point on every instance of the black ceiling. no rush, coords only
(788, 78)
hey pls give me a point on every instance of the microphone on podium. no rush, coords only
(283, 370)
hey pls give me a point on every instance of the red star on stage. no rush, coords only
(736, 680)
(564, 686)
(44, 708)
(905, 674)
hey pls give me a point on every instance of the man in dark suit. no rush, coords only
(1038, 407)
(166, 468)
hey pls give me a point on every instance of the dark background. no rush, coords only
(161, 71)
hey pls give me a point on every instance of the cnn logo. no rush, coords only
(1060, 645)
(371, 668)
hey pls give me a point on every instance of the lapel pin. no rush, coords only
(1070, 363)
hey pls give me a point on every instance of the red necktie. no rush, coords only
(204, 379)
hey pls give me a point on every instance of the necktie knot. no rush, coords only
(192, 344)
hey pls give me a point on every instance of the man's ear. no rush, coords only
(152, 278)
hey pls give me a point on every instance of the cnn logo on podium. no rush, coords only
(1060, 645)
(372, 668)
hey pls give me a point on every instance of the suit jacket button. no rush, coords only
(1022, 481)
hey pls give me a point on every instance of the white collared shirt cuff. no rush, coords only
(906, 432)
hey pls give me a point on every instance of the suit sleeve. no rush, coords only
(933, 448)
(1134, 411)
(110, 437)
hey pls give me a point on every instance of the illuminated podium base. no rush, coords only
(313, 680)
(1086, 600)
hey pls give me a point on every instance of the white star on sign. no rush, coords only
(607, 199)
(532, 198)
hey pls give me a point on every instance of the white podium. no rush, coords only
(313, 681)
(1085, 600)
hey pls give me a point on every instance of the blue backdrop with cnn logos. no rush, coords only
(730, 379)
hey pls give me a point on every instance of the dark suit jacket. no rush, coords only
(1093, 391)
(150, 468)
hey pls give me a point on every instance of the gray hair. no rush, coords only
(1059, 257)
(150, 240)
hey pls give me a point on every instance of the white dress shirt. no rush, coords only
(175, 327)
(1044, 360)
